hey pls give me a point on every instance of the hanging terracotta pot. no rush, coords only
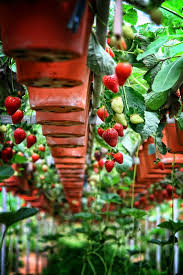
(29, 198)
(71, 177)
(64, 131)
(38, 30)
(71, 172)
(74, 179)
(172, 139)
(68, 152)
(70, 161)
(166, 159)
(179, 134)
(52, 74)
(142, 172)
(69, 184)
(63, 166)
(66, 142)
(60, 100)
(150, 156)
(61, 119)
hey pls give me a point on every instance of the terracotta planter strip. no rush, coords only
(63, 131)
(173, 139)
(68, 152)
(37, 30)
(67, 170)
(69, 161)
(74, 179)
(52, 74)
(61, 119)
(63, 166)
(59, 100)
(66, 142)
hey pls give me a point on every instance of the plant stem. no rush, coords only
(172, 180)
(133, 181)
(173, 12)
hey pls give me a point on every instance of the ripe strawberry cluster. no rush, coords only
(12, 105)
(158, 195)
(109, 164)
(122, 72)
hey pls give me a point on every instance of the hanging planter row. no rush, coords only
(49, 41)
(148, 172)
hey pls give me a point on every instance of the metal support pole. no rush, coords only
(17, 243)
(146, 232)
(27, 247)
(37, 248)
(3, 249)
(176, 247)
(158, 248)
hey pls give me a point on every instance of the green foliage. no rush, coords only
(168, 76)
(10, 218)
(99, 61)
(153, 47)
(5, 172)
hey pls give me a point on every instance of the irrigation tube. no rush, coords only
(146, 232)
(27, 231)
(3, 249)
(158, 248)
(37, 248)
(17, 242)
(176, 247)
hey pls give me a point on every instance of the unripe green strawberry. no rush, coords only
(156, 16)
(128, 32)
(3, 129)
(117, 104)
(120, 118)
(136, 119)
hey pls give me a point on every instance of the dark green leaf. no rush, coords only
(19, 159)
(151, 125)
(153, 47)
(133, 212)
(6, 172)
(10, 218)
(168, 76)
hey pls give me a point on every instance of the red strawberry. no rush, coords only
(53, 186)
(31, 140)
(19, 135)
(102, 113)
(97, 155)
(101, 163)
(95, 170)
(110, 136)
(118, 157)
(17, 116)
(7, 154)
(111, 82)
(109, 51)
(35, 157)
(160, 165)
(136, 204)
(119, 128)
(100, 131)
(108, 40)
(151, 197)
(123, 71)
(170, 188)
(109, 164)
(41, 148)
(12, 104)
